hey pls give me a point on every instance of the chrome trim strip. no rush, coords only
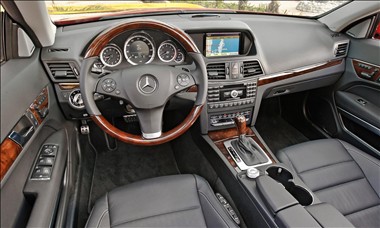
(151, 135)
(361, 122)
(241, 164)
(355, 136)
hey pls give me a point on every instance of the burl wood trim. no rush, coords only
(287, 75)
(106, 36)
(34, 107)
(193, 89)
(139, 140)
(359, 70)
(68, 86)
(219, 137)
(8, 154)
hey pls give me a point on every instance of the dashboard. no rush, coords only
(248, 58)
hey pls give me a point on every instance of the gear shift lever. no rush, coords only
(246, 146)
(241, 124)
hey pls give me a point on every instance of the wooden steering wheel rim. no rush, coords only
(102, 40)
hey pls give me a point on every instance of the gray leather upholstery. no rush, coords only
(341, 175)
(169, 201)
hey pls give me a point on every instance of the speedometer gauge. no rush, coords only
(167, 51)
(110, 56)
(139, 49)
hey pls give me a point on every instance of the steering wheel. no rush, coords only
(146, 87)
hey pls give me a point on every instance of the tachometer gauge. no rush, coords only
(111, 56)
(139, 49)
(167, 51)
(180, 57)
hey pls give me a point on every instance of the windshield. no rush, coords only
(67, 9)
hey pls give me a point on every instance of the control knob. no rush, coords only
(76, 100)
(234, 94)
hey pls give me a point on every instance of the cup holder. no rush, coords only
(283, 176)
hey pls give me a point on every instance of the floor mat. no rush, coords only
(128, 164)
(278, 133)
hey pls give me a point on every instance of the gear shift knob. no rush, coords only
(241, 124)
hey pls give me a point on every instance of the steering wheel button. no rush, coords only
(183, 79)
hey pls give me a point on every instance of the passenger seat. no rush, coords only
(341, 175)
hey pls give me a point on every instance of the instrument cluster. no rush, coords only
(140, 48)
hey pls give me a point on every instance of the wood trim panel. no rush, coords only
(39, 105)
(8, 154)
(193, 89)
(106, 36)
(292, 74)
(68, 86)
(219, 137)
(139, 140)
(359, 69)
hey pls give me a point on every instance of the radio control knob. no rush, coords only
(234, 93)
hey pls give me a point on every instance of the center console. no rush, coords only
(267, 192)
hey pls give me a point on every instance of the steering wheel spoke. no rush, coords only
(150, 122)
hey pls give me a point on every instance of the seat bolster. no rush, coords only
(215, 215)
(99, 216)
(369, 165)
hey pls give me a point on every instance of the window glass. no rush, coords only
(59, 9)
(2, 35)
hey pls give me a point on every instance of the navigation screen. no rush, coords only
(222, 44)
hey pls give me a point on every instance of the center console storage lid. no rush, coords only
(295, 216)
(274, 194)
(328, 216)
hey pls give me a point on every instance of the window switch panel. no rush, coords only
(45, 161)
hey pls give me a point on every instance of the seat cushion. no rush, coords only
(169, 201)
(341, 175)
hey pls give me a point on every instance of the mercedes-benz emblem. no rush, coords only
(147, 84)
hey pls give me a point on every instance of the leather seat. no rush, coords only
(341, 175)
(169, 201)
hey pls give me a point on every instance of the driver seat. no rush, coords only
(168, 201)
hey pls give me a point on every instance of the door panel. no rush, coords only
(22, 80)
(28, 100)
(357, 96)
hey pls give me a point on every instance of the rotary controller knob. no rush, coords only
(253, 173)
(234, 93)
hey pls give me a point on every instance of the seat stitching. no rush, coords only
(325, 166)
(213, 208)
(151, 216)
(357, 211)
(362, 155)
(290, 162)
(109, 208)
(101, 217)
(199, 201)
(338, 185)
(359, 153)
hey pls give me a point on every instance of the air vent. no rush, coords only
(251, 68)
(341, 50)
(58, 49)
(216, 71)
(63, 70)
